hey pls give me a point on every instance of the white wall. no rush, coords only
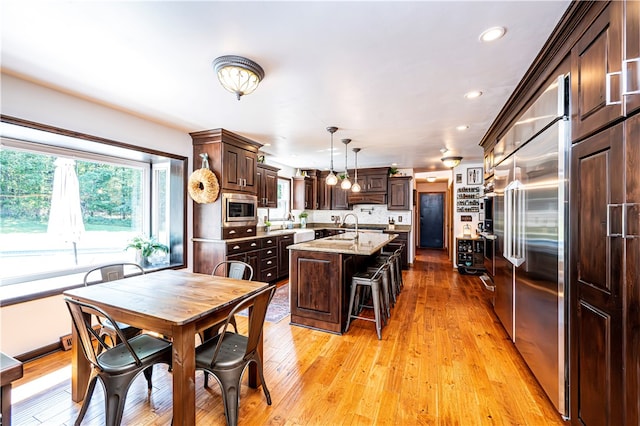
(28, 326)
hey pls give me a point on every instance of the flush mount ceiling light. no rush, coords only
(356, 186)
(462, 127)
(237, 74)
(492, 34)
(473, 94)
(331, 179)
(451, 162)
(346, 183)
(431, 179)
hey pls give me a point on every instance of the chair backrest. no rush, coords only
(260, 302)
(378, 274)
(112, 272)
(235, 269)
(81, 314)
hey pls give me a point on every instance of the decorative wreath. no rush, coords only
(203, 186)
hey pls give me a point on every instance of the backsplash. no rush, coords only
(367, 214)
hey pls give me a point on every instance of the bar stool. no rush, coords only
(393, 281)
(386, 286)
(372, 281)
(397, 267)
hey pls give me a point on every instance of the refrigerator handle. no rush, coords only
(519, 255)
(506, 251)
(514, 223)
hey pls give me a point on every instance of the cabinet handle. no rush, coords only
(249, 230)
(625, 74)
(608, 100)
(236, 247)
(269, 252)
(628, 218)
(269, 274)
(269, 262)
(253, 244)
(232, 232)
(269, 241)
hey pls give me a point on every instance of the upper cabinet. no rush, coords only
(400, 192)
(304, 193)
(373, 180)
(631, 64)
(232, 157)
(267, 183)
(596, 73)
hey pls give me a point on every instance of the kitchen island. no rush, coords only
(320, 274)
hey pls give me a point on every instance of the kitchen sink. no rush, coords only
(342, 237)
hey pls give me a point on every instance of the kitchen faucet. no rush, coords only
(354, 216)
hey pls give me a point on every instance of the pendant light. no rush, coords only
(346, 183)
(331, 179)
(356, 186)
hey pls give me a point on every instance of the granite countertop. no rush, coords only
(365, 245)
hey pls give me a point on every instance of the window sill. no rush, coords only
(40, 289)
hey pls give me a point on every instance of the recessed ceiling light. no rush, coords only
(492, 34)
(394, 164)
(431, 179)
(462, 127)
(473, 94)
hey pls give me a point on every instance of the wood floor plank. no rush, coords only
(444, 359)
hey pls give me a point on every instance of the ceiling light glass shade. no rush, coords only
(451, 162)
(492, 34)
(346, 183)
(356, 187)
(237, 74)
(331, 179)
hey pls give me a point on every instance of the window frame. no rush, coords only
(56, 141)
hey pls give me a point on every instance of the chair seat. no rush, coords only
(119, 360)
(231, 352)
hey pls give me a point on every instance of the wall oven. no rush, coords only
(239, 209)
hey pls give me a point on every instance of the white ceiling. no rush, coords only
(390, 75)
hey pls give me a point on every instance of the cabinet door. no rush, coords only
(632, 56)
(271, 188)
(632, 269)
(596, 278)
(399, 196)
(324, 193)
(376, 182)
(595, 60)
(284, 241)
(339, 198)
(310, 196)
(299, 193)
(261, 185)
(248, 172)
(232, 167)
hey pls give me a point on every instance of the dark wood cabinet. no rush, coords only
(319, 289)
(267, 183)
(631, 58)
(596, 63)
(304, 193)
(339, 198)
(399, 193)
(597, 198)
(284, 241)
(324, 191)
(239, 169)
(373, 180)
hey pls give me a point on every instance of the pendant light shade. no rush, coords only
(356, 186)
(331, 179)
(237, 74)
(346, 183)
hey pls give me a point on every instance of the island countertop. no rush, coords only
(365, 244)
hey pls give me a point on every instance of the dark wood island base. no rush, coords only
(320, 273)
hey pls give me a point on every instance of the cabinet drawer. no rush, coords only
(269, 252)
(238, 232)
(267, 275)
(269, 242)
(242, 246)
(269, 262)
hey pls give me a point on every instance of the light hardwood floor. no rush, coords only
(444, 359)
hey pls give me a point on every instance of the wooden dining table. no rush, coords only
(174, 303)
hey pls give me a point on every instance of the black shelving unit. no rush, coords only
(470, 252)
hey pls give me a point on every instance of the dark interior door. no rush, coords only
(432, 220)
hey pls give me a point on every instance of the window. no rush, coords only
(64, 210)
(284, 200)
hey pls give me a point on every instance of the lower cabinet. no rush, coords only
(284, 241)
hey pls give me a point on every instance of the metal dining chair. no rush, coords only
(112, 272)
(117, 366)
(237, 270)
(226, 355)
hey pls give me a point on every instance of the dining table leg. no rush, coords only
(184, 372)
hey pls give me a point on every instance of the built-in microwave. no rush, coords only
(239, 209)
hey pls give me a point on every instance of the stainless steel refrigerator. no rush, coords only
(530, 225)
